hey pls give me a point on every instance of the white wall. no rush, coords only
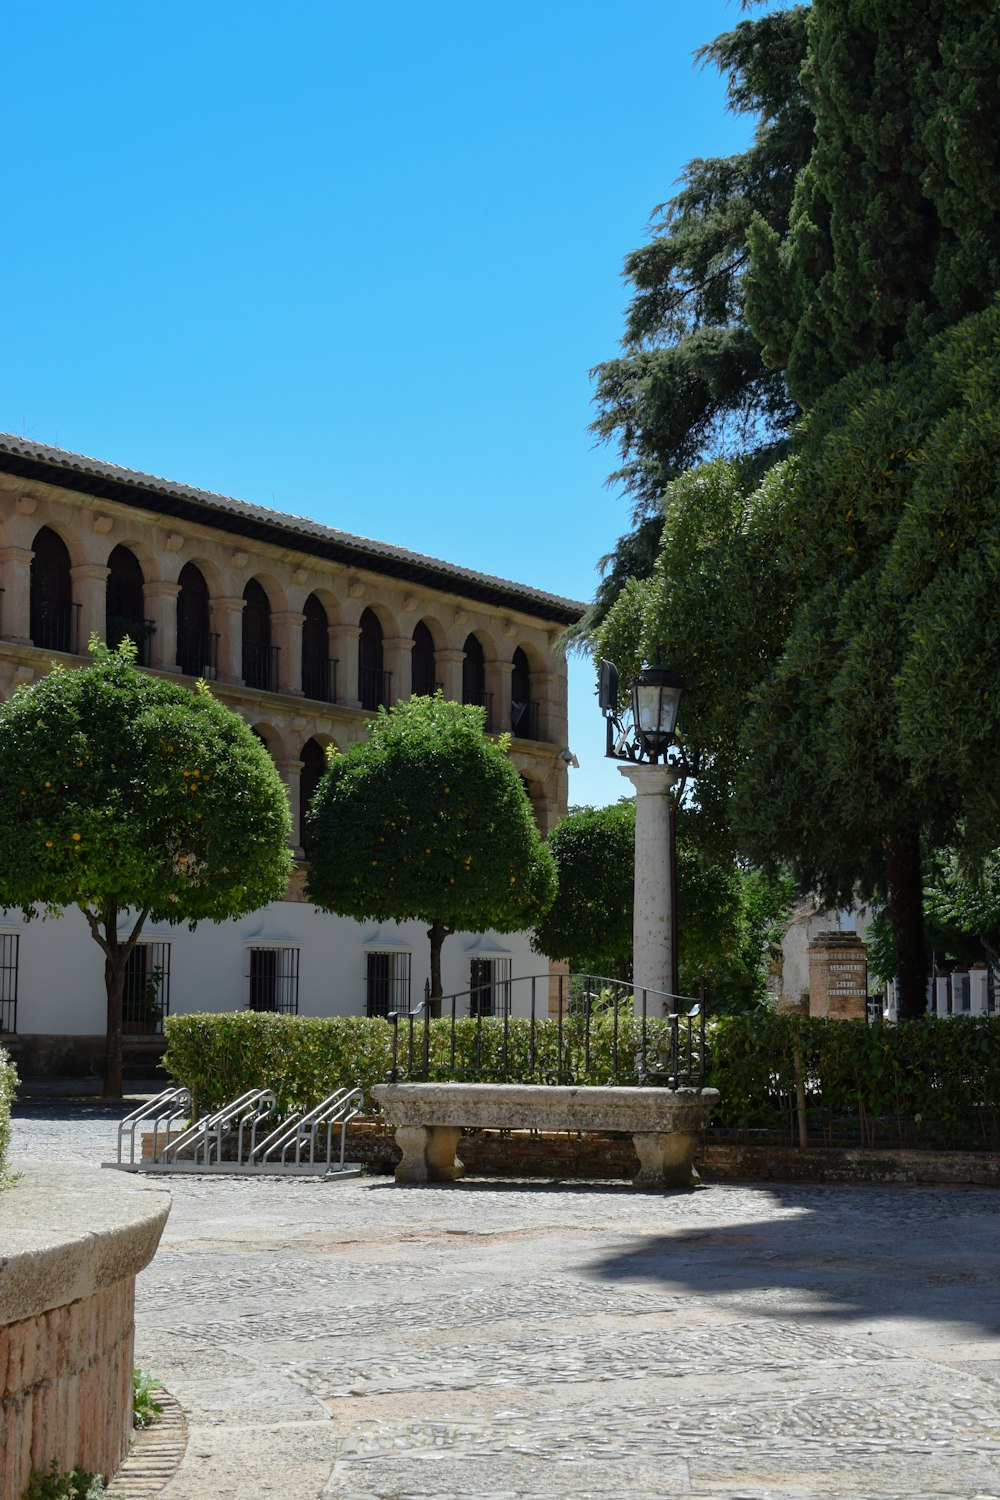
(61, 968)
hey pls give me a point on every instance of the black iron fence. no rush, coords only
(374, 688)
(563, 1029)
(56, 626)
(198, 653)
(319, 678)
(260, 666)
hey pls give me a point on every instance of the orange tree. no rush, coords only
(134, 798)
(428, 820)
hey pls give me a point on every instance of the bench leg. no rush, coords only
(428, 1153)
(666, 1159)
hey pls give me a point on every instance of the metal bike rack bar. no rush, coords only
(292, 1148)
(158, 1115)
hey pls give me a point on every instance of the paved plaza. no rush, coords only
(526, 1339)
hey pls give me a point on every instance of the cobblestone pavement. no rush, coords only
(516, 1340)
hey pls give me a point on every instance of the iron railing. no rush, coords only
(374, 688)
(198, 653)
(563, 1029)
(260, 666)
(117, 627)
(319, 678)
(524, 720)
(482, 700)
(56, 627)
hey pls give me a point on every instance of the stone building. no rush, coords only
(303, 630)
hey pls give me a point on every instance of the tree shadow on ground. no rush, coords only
(856, 1253)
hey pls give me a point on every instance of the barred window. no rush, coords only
(147, 988)
(387, 983)
(9, 953)
(489, 987)
(274, 980)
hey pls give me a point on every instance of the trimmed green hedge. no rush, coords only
(927, 1082)
(303, 1059)
(8, 1086)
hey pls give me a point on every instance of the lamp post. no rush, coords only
(644, 743)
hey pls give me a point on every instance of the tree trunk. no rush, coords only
(114, 979)
(116, 956)
(437, 932)
(905, 902)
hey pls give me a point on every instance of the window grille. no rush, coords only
(387, 984)
(146, 999)
(274, 980)
(489, 987)
(9, 951)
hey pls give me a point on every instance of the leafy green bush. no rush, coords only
(145, 1407)
(926, 1082)
(54, 1483)
(304, 1059)
(8, 1086)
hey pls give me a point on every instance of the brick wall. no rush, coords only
(66, 1387)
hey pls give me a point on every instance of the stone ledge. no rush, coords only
(65, 1237)
(524, 1106)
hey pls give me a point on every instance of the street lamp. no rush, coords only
(644, 741)
(656, 696)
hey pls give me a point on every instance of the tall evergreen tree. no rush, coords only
(895, 224)
(691, 381)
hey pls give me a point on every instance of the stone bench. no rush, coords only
(429, 1118)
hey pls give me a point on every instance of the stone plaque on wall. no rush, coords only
(838, 976)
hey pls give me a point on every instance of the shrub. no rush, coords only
(304, 1059)
(8, 1086)
(929, 1082)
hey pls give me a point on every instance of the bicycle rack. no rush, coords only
(162, 1114)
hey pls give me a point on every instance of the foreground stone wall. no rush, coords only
(70, 1250)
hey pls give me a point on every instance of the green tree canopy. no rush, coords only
(131, 797)
(428, 820)
(691, 380)
(726, 914)
(894, 231)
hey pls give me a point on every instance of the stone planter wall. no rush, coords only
(70, 1250)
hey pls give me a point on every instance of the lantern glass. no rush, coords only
(656, 695)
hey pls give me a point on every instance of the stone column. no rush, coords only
(448, 666)
(15, 602)
(344, 647)
(652, 935)
(549, 691)
(161, 606)
(287, 627)
(90, 591)
(290, 772)
(397, 657)
(227, 622)
(498, 684)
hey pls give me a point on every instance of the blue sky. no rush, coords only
(354, 261)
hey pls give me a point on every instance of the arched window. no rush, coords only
(474, 678)
(317, 668)
(258, 653)
(422, 657)
(373, 681)
(53, 613)
(313, 759)
(197, 653)
(124, 603)
(523, 713)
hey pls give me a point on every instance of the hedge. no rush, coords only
(927, 1082)
(8, 1085)
(304, 1059)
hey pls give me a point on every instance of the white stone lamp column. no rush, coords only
(652, 923)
